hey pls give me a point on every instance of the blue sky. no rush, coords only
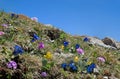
(79, 17)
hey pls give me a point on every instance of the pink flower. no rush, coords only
(12, 64)
(41, 45)
(43, 74)
(4, 25)
(80, 51)
(2, 33)
(34, 19)
(102, 59)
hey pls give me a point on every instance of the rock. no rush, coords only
(97, 41)
(53, 33)
(67, 55)
(23, 17)
(96, 71)
(50, 25)
(105, 77)
(111, 42)
(112, 77)
(107, 73)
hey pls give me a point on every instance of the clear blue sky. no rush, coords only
(79, 17)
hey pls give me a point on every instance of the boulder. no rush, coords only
(111, 42)
(53, 33)
(97, 41)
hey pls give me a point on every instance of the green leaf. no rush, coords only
(44, 62)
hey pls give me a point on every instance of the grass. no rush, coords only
(32, 62)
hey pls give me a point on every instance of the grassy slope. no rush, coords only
(30, 63)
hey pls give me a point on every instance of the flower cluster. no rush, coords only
(12, 65)
(44, 74)
(41, 45)
(91, 67)
(71, 66)
(101, 59)
(35, 37)
(18, 50)
(65, 43)
(62, 47)
(4, 25)
(48, 55)
(76, 59)
(80, 51)
(1, 33)
(34, 19)
(86, 39)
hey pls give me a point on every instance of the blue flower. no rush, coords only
(14, 15)
(18, 50)
(72, 66)
(35, 37)
(90, 68)
(85, 39)
(64, 66)
(77, 46)
(66, 43)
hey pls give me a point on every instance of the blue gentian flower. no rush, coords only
(18, 50)
(14, 15)
(90, 68)
(64, 66)
(66, 43)
(85, 39)
(72, 66)
(77, 46)
(35, 37)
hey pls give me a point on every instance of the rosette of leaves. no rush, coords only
(81, 65)
(47, 65)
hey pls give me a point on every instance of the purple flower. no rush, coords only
(4, 25)
(80, 51)
(43, 74)
(41, 45)
(34, 19)
(102, 59)
(12, 64)
(1, 33)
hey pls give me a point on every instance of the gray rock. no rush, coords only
(111, 42)
(105, 77)
(96, 41)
